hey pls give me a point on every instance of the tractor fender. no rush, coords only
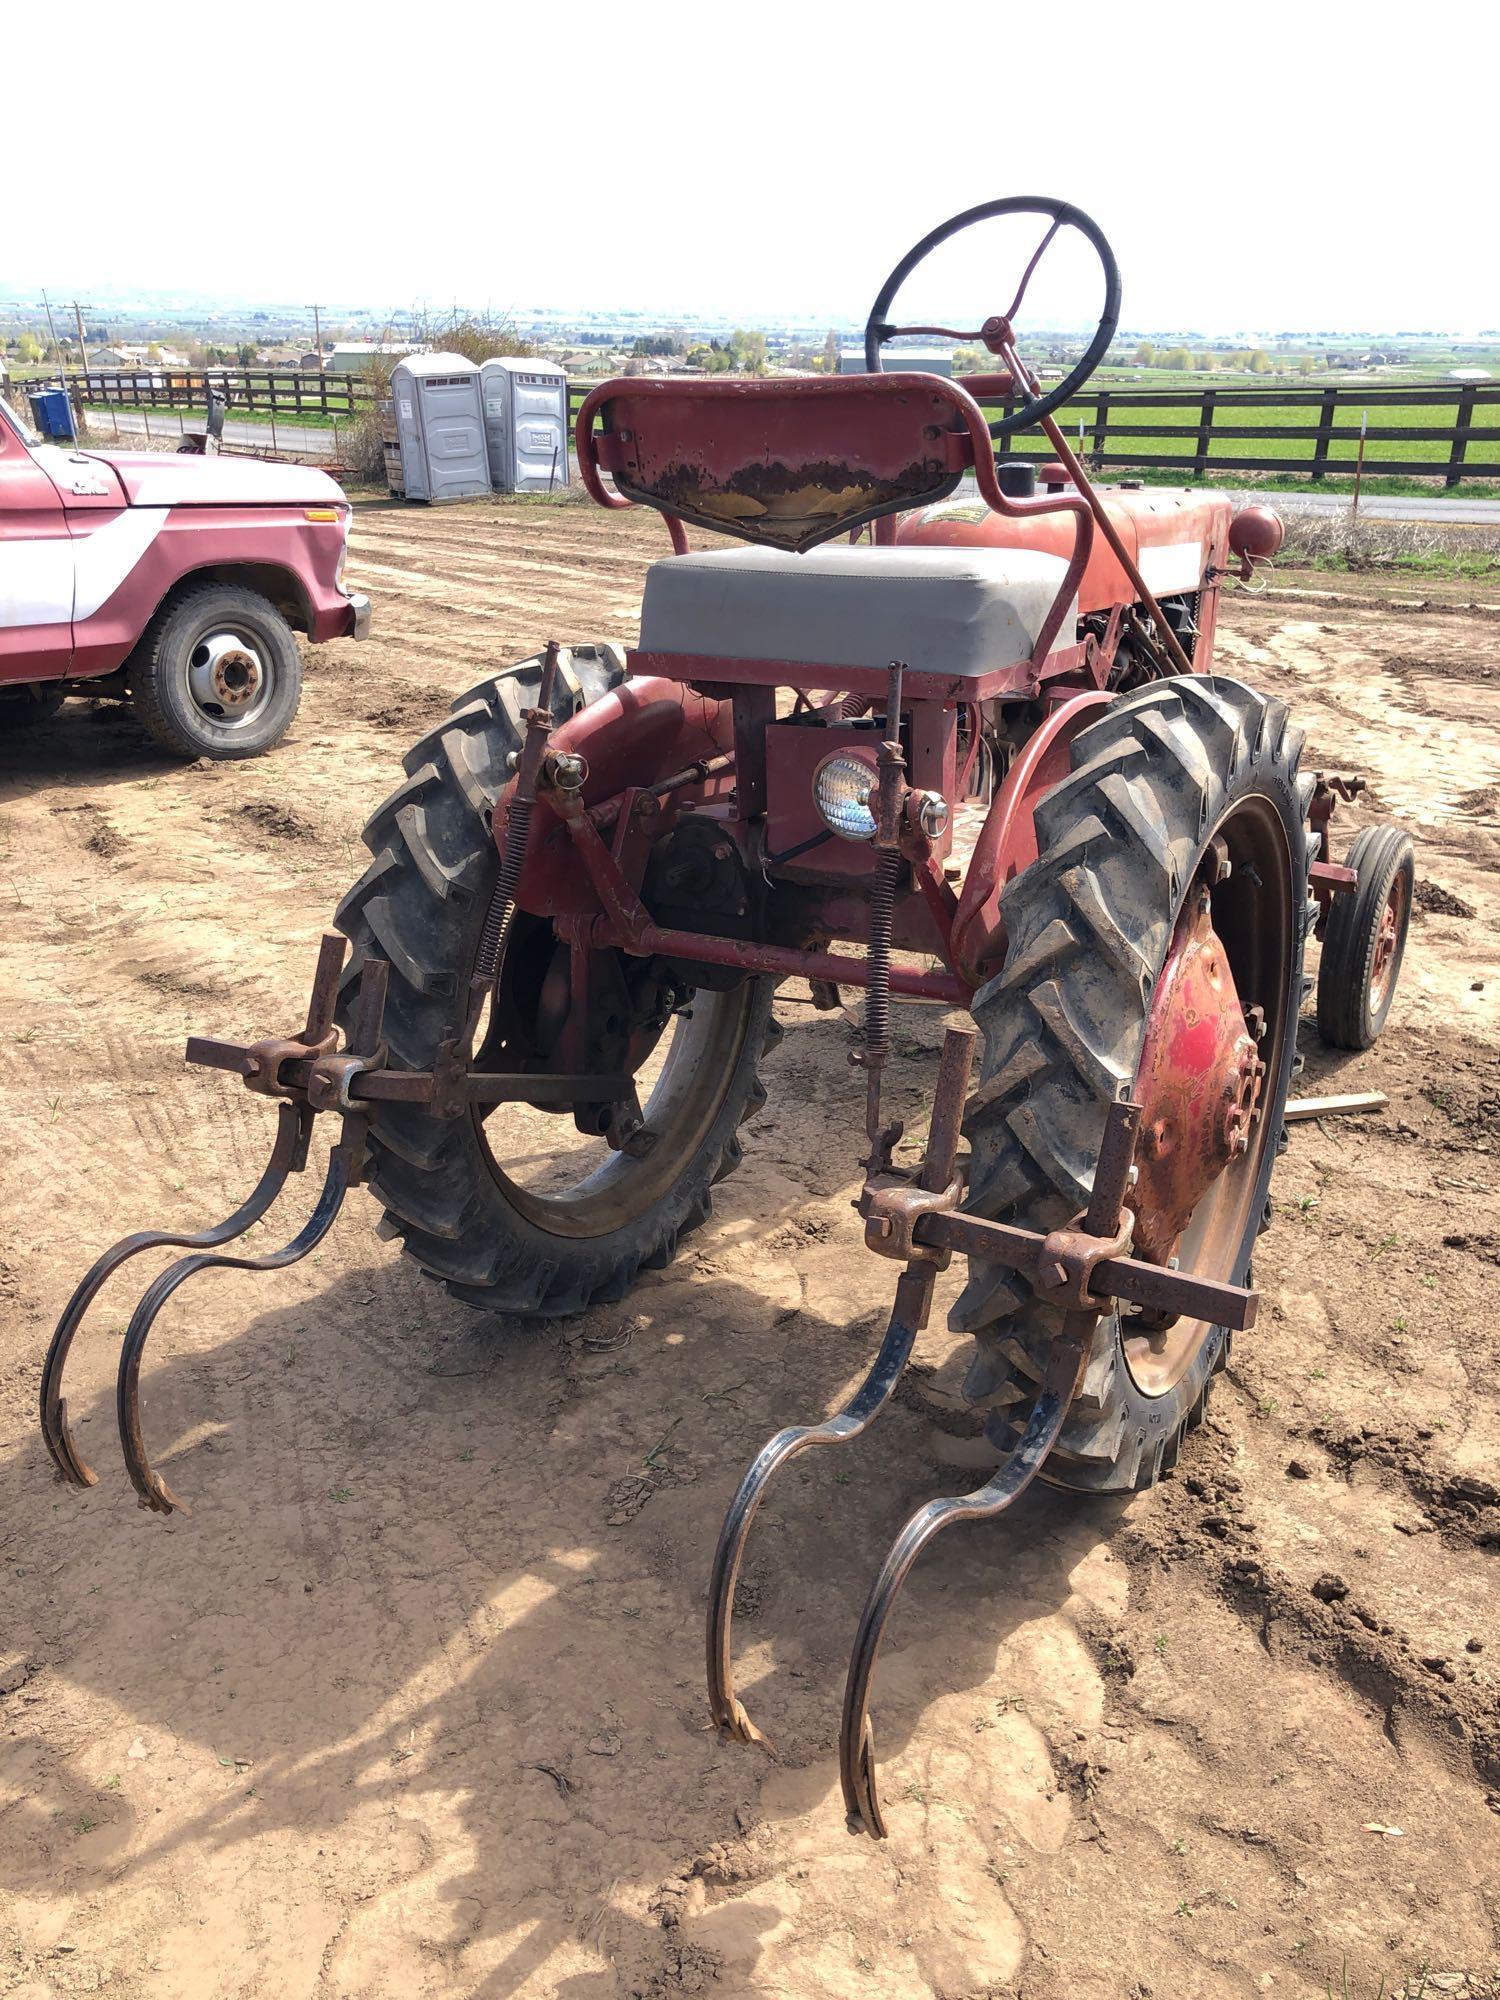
(644, 729)
(1007, 841)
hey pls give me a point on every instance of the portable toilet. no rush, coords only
(526, 423)
(439, 427)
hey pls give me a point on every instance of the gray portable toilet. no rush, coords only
(439, 427)
(526, 423)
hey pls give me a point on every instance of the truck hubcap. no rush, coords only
(227, 678)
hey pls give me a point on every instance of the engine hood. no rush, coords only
(174, 479)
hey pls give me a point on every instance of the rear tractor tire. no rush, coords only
(1365, 939)
(455, 1191)
(1120, 936)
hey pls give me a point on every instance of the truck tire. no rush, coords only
(494, 1242)
(217, 673)
(1090, 925)
(1365, 940)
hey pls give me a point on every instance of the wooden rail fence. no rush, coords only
(286, 391)
(1151, 429)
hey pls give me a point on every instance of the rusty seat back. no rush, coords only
(785, 464)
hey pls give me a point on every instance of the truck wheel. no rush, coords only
(1136, 967)
(217, 673)
(517, 1211)
(24, 706)
(1366, 939)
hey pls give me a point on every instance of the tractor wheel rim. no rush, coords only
(1389, 941)
(1223, 997)
(681, 1079)
(229, 679)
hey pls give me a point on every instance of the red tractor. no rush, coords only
(984, 761)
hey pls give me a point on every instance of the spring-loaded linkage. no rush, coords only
(887, 805)
(501, 912)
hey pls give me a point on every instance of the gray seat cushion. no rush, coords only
(952, 611)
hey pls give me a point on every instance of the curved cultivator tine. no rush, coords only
(856, 1736)
(305, 1074)
(288, 1155)
(153, 1489)
(907, 1315)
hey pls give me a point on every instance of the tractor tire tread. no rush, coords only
(1063, 1021)
(429, 878)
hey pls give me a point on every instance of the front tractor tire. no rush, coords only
(1365, 940)
(1118, 937)
(454, 1191)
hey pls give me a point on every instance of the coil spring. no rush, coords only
(497, 918)
(878, 993)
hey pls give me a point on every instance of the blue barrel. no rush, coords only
(52, 413)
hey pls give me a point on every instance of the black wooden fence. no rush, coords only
(286, 391)
(1440, 431)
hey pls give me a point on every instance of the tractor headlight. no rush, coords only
(842, 785)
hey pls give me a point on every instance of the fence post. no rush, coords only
(1325, 429)
(1460, 438)
(1101, 423)
(1200, 456)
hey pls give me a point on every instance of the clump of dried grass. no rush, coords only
(1346, 541)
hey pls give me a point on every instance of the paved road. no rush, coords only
(301, 440)
(1452, 512)
(1445, 510)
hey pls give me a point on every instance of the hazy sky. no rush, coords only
(1255, 166)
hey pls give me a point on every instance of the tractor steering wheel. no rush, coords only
(997, 333)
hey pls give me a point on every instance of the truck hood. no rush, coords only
(173, 479)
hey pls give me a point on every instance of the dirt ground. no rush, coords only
(412, 1704)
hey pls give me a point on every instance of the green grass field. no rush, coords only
(99, 415)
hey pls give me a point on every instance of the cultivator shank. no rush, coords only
(1081, 1269)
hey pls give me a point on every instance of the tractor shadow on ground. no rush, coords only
(422, 1595)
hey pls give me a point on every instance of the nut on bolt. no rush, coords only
(568, 771)
(929, 810)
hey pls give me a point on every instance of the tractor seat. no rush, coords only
(943, 610)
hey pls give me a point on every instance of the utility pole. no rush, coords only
(52, 330)
(318, 333)
(83, 353)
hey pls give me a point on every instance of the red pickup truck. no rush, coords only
(174, 580)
